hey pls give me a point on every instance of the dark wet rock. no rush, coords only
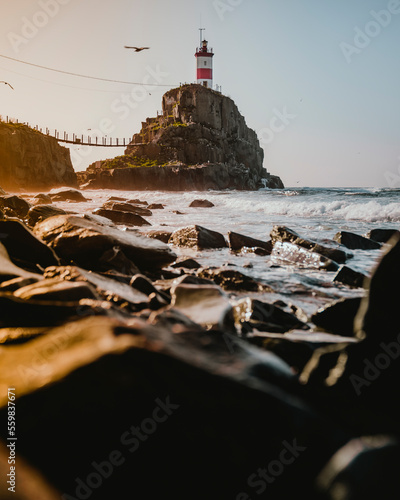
(136, 201)
(163, 236)
(338, 317)
(107, 288)
(24, 247)
(41, 212)
(331, 251)
(9, 271)
(382, 235)
(18, 312)
(76, 239)
(117, 198)
(67, 194)
(202, 204)
(366, 467)
(206, 305)
(356, 241)
(252, 314)
(216, 393)
(186, 264)
(127, 207)
(197, 237)
(158, 298)
(120, 217)
(57, 290)
(42, 199)
(348, 276)
(114, 259)
(15, 203)
(232, 280)
(177, 212)
(238, 241)
(285, 253)
(156, 206)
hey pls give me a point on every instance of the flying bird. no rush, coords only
(137, 49)
(6, 83)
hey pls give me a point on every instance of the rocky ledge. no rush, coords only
(199, 142)
(30, 160)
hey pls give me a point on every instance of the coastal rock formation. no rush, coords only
(30, 160)
(199, 142)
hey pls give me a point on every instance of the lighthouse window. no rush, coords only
(205, 63)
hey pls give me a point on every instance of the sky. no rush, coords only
(318, 80)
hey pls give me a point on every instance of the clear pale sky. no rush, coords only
(330, 68)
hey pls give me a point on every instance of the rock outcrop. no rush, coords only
(30, 160)
(199, 142)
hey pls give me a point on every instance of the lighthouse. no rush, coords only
(204, 57)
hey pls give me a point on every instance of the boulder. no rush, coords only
(348, 276)
(186, 264)
(57, 290)
(238, 241)
(67, 194)
(127, 207)
(232, 280)
(156, 206)
(201, 204)
(119, 217)
(338, 317)
(41, 212)
(382, 235)
(356, 241)
(284, 253)
(19, 206)
(332, 252)
(24, 247)
(253, 314)
(163, 236)
(42, 199)
(106, 287)
(206, 305)
(8, 270)
(182, 389)
(85, 242)
(197, 237)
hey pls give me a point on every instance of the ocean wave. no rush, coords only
(371, 211)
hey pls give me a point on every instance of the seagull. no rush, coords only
(137, 49)
(8, 84)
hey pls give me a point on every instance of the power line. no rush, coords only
(63, 84)
(84, 76)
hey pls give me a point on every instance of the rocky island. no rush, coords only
(199, 142)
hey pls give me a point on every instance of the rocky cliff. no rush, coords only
(30, 160)
(200, 141)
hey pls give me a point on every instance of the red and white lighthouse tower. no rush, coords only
(204, 59)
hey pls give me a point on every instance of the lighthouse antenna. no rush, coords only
(201, 34)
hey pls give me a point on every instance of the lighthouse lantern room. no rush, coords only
(204, 58)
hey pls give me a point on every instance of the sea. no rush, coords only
(314, 213)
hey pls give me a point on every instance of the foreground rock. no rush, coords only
(200, 142)
(186, 385)
(66, 194)
(41, 212)
(30, 160)
(232, 280)
(348, 276)
(382, 235)
(18, 205)
(85, 243)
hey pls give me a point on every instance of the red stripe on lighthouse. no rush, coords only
(204, 74)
